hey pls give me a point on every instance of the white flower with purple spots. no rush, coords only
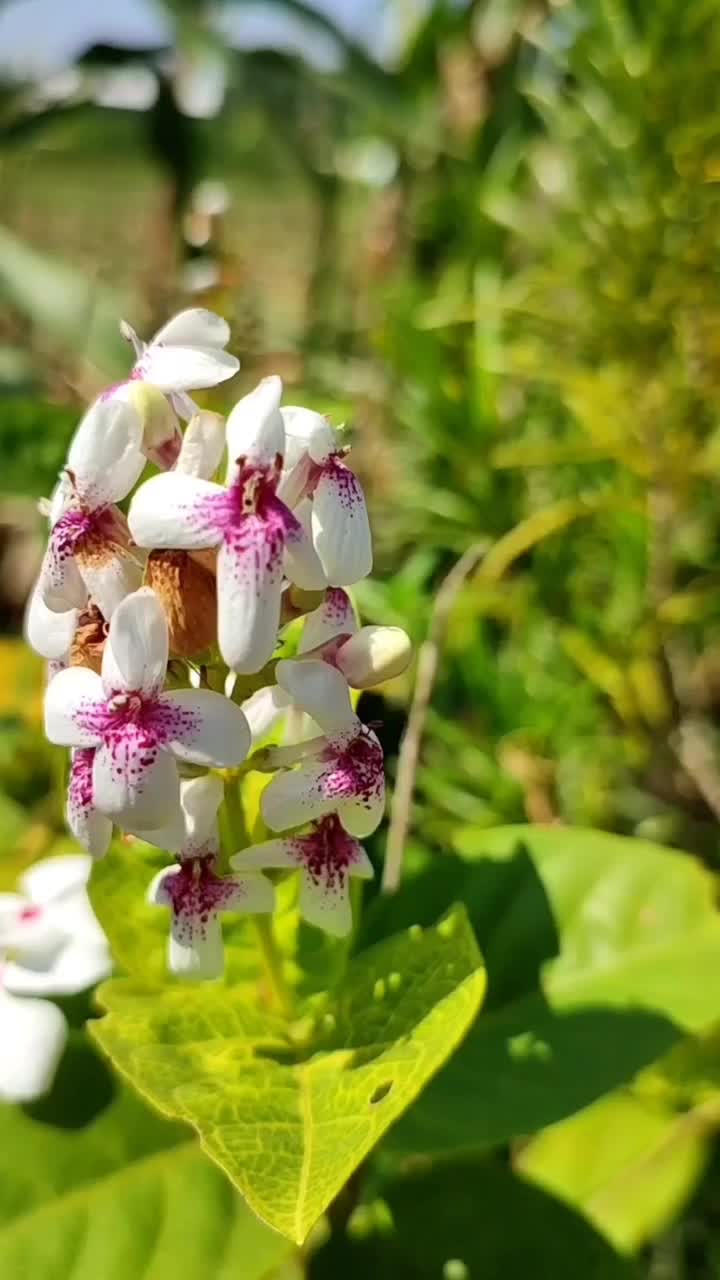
(246, 521)
(365, 656)
(135, 730)
(187, 354)
(50, 944)
(316, 470)
(196, 895)
(89, 549)
(339, 772)
(327, 857)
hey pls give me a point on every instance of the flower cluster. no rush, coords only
(161, 624)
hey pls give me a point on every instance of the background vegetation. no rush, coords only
(497, 259)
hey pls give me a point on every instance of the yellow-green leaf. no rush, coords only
(290, 1112)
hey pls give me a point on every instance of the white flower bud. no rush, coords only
(373, 655)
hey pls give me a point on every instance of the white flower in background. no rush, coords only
(326, 857)
(88, 553)
(196, 895)
(187, 354)
(136, 731)
(315, 469)
(246, 521)
(340, 772)
(50, 944)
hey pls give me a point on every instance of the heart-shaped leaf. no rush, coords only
(290, 1112)
(593, 945)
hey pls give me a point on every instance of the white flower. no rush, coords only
(340, 772)
(327, 857)
(246, 521)
(32, 1038)
(54, 946)
(196, 895)
(137, 731)
(88, 553)
(365, 656)
(187, 354)
(339, 520)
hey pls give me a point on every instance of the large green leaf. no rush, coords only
(593, 945)
(127, 1196)
(290, 1112)
(628, 1163)
(471, 1220)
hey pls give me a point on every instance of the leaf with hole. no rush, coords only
(289, 1112)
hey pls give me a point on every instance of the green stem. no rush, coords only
(235, 838)
(272, 960)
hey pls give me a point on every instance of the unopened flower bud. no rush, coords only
(189, 599)
(373, 655)
(162, 438)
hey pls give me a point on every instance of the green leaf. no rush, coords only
(593, 944)
(471, 1220)
(127, 1196)
(290, 1112)
(628, 1163)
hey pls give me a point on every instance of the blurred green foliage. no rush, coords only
(498, 260)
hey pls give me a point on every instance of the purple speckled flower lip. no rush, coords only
(327, 853)
(196, 894)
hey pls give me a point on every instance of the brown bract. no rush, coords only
(189, 598)
(89, 641)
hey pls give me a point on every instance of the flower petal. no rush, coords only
(135, 656)
(176, 512)
(186, 368)
(263, 710)
(341, 529)
(205, 728)
(294, 798)
(326, 904)
(255, 428)
(88, 825)
(49, 633)
(203, 445)
(32, 1035)
(105, 458)
(334, 617)
(320, 690)
(194, 327)
(110, 574)
(60, 584)
(249, 579)
(52, 879)
(361, 815)
(78, 966)
(302, 563)
(307, 432)
(271, 854)
(70, 699)
(133, 784)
